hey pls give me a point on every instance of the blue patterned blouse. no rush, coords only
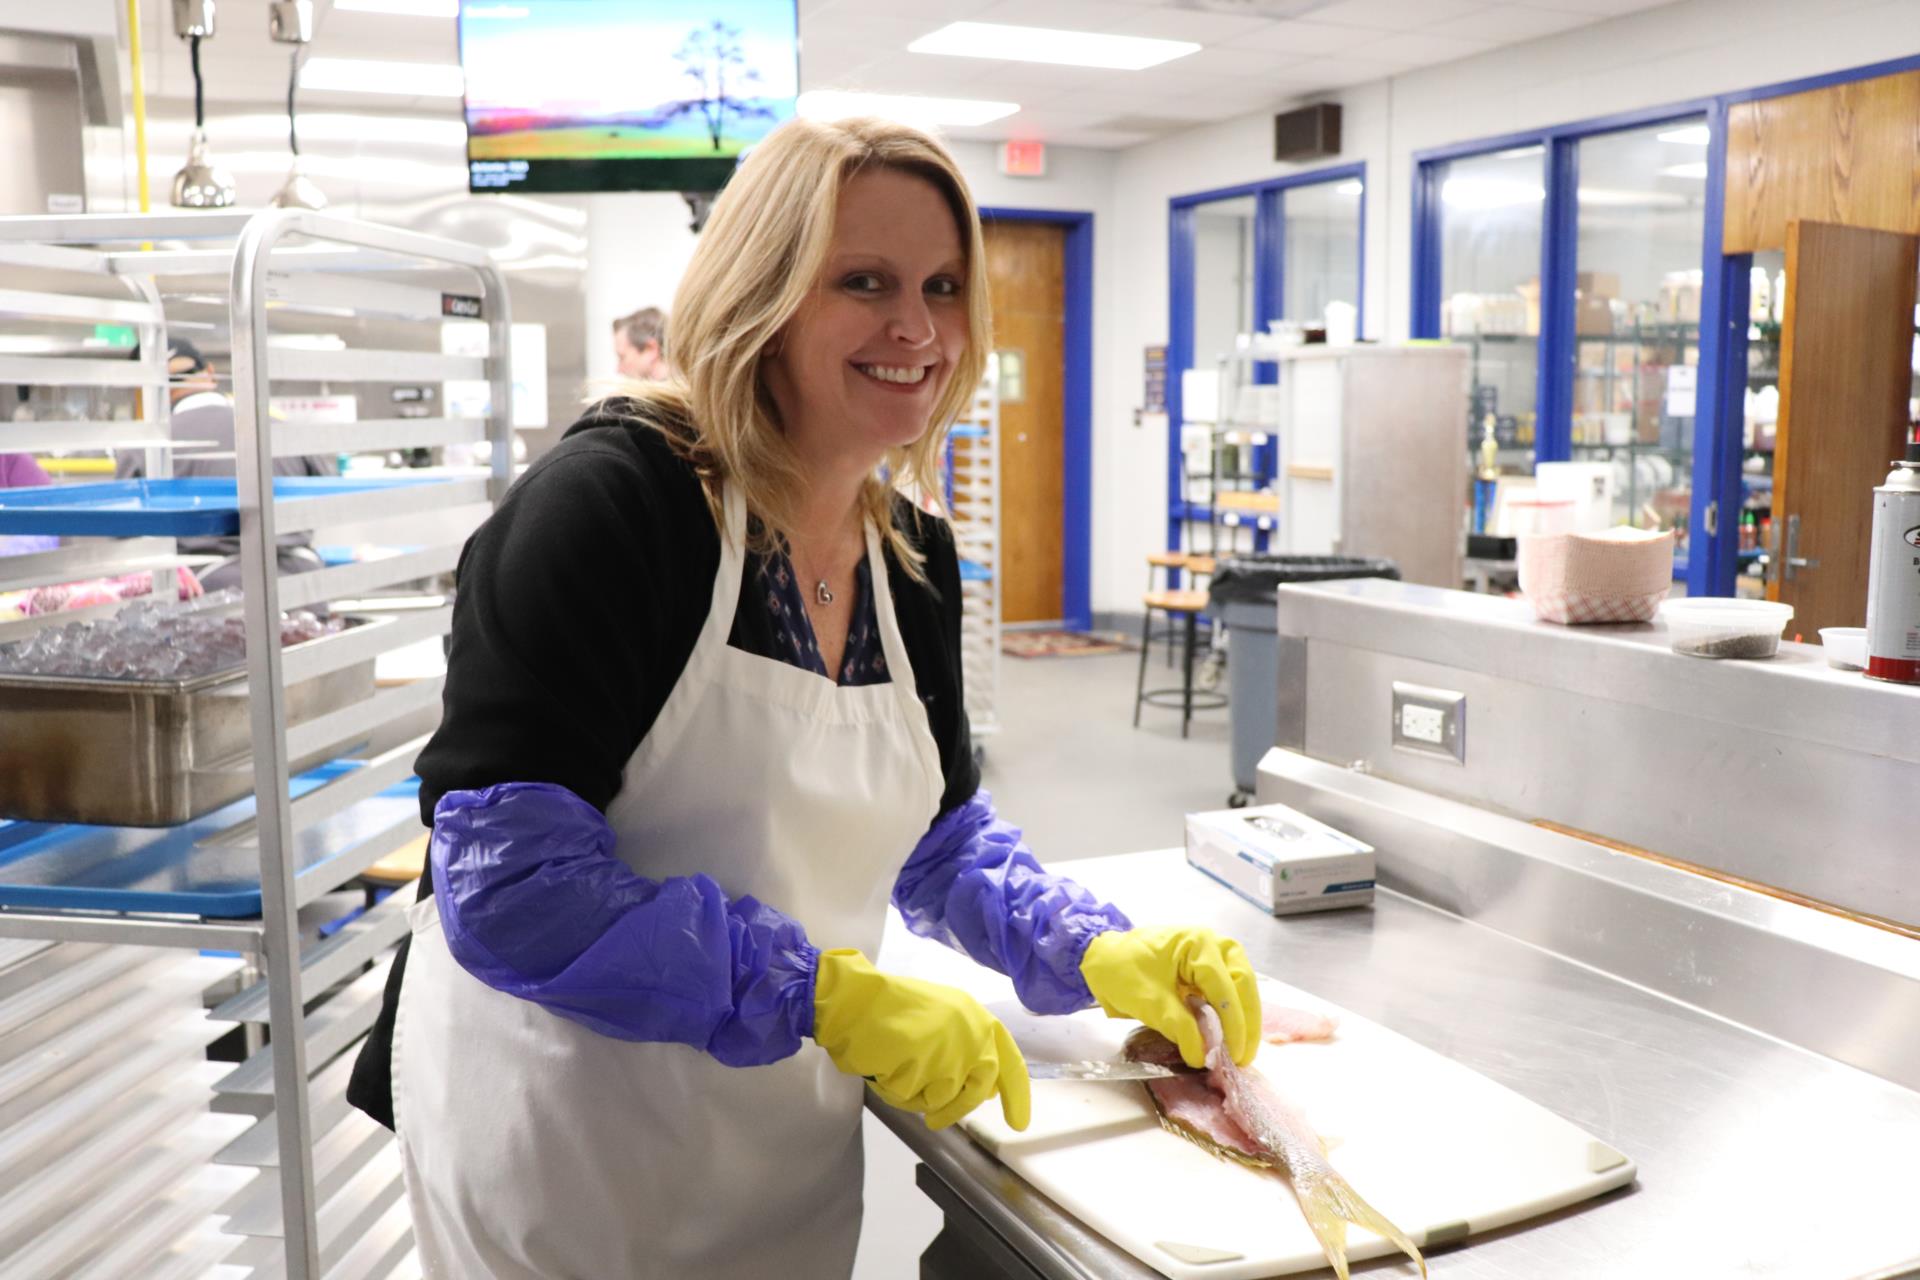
(865, 661)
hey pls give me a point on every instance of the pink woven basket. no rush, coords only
(1620, 575)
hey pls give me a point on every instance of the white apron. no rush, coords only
(536, 1148)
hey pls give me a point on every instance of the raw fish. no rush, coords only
(1235, 1113)
(1279, 1025)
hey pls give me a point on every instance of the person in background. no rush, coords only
(203, 416)
(20, 471)
(704, 720)
(636, 345)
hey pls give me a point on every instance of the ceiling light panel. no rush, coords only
(401, 79)
(1697, 169)
(1047, 44)
(829, 104)
(402, 8)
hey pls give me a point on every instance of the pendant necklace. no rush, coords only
(821, 593)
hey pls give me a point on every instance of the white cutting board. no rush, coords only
(1442, 1151)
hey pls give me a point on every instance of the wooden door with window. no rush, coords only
(1026, 272)
(1846, 349)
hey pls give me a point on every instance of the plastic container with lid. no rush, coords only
(1715, 627)
(1846, 647)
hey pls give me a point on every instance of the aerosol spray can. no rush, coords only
(1893, 575)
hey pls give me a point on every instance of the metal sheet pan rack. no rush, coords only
(303, 1187)
(973, 498)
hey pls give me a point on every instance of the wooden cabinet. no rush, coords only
(1846, 350)
(1371, 462)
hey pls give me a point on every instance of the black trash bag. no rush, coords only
(1256, 579)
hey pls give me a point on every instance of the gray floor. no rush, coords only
(1067, 768)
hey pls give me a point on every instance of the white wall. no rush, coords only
(638, 246)
(1654, 57)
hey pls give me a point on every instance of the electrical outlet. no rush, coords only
(1430, 722)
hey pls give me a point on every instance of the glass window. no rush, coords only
(1223, 256)
(1491, 211)
(1320, 262)
(1637, 316)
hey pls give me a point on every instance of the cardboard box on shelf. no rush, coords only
(1592, 317)
(1596, 284)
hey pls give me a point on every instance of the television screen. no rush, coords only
(622, 95)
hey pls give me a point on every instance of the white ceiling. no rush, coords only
(1249, 62)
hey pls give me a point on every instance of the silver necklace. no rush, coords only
(821, 591)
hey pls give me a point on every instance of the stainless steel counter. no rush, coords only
(1757, 1158)
(1784, 771)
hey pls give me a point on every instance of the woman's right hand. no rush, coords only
(925, 1047)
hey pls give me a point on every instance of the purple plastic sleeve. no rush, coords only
(534, 903)
(973, 885)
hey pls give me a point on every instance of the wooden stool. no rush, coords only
(404, 865)
(1169, 562)
(1187, 606)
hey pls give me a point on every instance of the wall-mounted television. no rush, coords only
(622, 95)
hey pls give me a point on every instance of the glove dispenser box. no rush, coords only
(1281, 860)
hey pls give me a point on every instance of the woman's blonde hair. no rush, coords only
(758, 260)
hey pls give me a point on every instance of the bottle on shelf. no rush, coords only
(1749, 531)
(1759, 295)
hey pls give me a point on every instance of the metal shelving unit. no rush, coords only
(973, 498)
(322, 1192)
(1231, 487)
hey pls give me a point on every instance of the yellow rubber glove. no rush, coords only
(1139, 973)
(926, 1047)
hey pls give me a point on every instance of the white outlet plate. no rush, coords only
(1429, 721)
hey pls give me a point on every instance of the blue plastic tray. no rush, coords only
(193, 506)
(49, 866)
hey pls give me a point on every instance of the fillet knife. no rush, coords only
(1104, 1072)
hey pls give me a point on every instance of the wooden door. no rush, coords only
(1846, 347)
(1026, 270)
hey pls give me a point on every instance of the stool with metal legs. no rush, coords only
(1187, 606)
(1195, 565)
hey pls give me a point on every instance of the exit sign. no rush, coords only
(1023, 159)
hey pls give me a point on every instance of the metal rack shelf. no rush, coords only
(306, 1187)
(973, 497)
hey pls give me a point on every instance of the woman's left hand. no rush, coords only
(1140, 973)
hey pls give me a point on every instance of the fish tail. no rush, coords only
(1331, 1204)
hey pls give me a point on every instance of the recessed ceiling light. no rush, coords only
(365, 75)
(1351, 187)
(1697, 169)
(830, 104)
(1046, 44)
(403, 8)
(1693, 135)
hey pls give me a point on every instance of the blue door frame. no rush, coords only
(1269, 282)
(1076, 515)
(1714, 521)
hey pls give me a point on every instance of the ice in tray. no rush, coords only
(154, 640)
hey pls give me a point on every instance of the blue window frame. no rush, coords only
(1269, 302)
(1713, 559)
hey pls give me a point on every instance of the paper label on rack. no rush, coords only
(1682, 379)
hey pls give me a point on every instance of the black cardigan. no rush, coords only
(579, 604)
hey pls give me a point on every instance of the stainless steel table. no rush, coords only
(1757, 1158)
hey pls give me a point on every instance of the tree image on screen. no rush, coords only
(717, 65)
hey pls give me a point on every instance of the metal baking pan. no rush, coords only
(147, 753)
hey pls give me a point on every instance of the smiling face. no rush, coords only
(864, 361)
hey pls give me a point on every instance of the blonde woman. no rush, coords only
(703, 720)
